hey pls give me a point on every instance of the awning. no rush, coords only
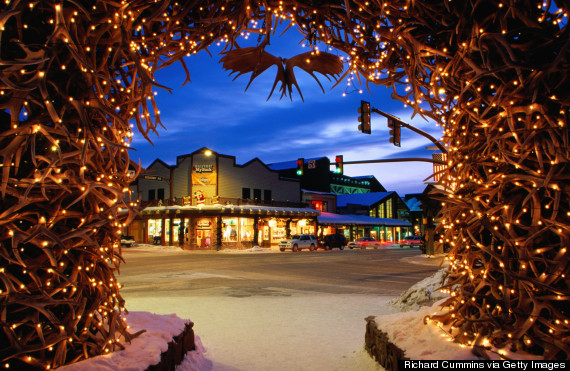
(235, 209)
(338, 219)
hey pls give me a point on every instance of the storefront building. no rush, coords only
(223, 226)
(355, 226)
(207, 201)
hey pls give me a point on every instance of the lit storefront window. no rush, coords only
(278, 230)
(374, 234)
(154, 229)
(230, 229)
(246, 229)
(167, 230)
(317, 205)
(389, 235)
(176, 230)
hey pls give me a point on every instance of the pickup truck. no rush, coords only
(299, 242)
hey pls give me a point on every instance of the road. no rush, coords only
(377, 272)
(273, 311)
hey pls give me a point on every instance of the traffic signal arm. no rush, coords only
(414, 129)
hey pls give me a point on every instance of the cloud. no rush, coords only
(213, 111)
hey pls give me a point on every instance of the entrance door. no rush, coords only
(203, 238)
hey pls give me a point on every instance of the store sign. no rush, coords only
(203, 179)
(203, 224)
(152, 177)
(203, 168)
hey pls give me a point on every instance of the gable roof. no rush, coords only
(365, 199)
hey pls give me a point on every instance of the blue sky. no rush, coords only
(213, 111)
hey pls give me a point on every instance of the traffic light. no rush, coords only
(364, 117)
(395, 128)
(300, 166)
(338, 161)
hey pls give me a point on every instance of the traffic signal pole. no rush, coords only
(407, 159)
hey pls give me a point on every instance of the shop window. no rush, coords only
(229, 229)
(246, 229)
(151, 194)
(167, 231)
(267, 194)
(160, 194)
(177, 230)
(257, 194)
(246, 193)
(154, 231)
(317, 205)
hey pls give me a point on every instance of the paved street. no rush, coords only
(274, 311)
(377, 272)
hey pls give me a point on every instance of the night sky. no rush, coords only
(215, 112)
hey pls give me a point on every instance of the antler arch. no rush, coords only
(74, 75)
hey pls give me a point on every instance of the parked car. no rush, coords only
(332, 241)
(127, 241)
(299, 242)
(411, 241)
(363, 243)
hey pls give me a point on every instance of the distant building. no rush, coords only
(317, 176)
(387, 216)
(380, 205)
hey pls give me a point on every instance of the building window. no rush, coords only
(229, 229)
(257, 194)
(246, 193)
(160, 194)
(151, 194)
(382, 211)
(389, 208)
(267, 194)
(246, 229)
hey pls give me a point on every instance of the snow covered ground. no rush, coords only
(296, 331)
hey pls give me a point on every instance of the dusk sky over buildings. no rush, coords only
(215, 112)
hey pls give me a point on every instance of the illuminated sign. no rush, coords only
(203, 168)
(203, 224)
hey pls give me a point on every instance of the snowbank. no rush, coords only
(144, 350)
(424, 293)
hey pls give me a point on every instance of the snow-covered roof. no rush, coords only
(331, 218)
(365, 199)
(236, 208)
